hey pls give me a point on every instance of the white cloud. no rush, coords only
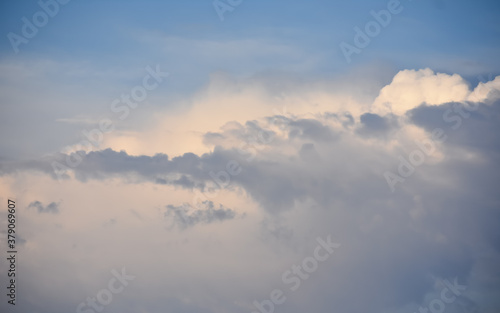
(486, 91)
(411, 88)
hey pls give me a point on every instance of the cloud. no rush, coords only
(184, 216)
(311, 129)
(268, 149)
(486, 91)
(411, 88)
(52, 207)
(318, 172)
(373, 124)
(474, 130)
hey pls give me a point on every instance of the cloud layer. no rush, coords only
(313, 168)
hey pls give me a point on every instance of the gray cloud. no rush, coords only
(52, 207)
(373, 125)
(184, 216)
(345, 118)
(310, 129)
(477, 129)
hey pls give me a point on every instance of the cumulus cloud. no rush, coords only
(267, 149)
(322, 172)
(486, 91)
(411, 88)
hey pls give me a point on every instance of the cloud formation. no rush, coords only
(184, 216)
(411, 88)
(298, 174)
(50, 208)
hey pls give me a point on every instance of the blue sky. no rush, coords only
(427, 30)
(164, 160)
